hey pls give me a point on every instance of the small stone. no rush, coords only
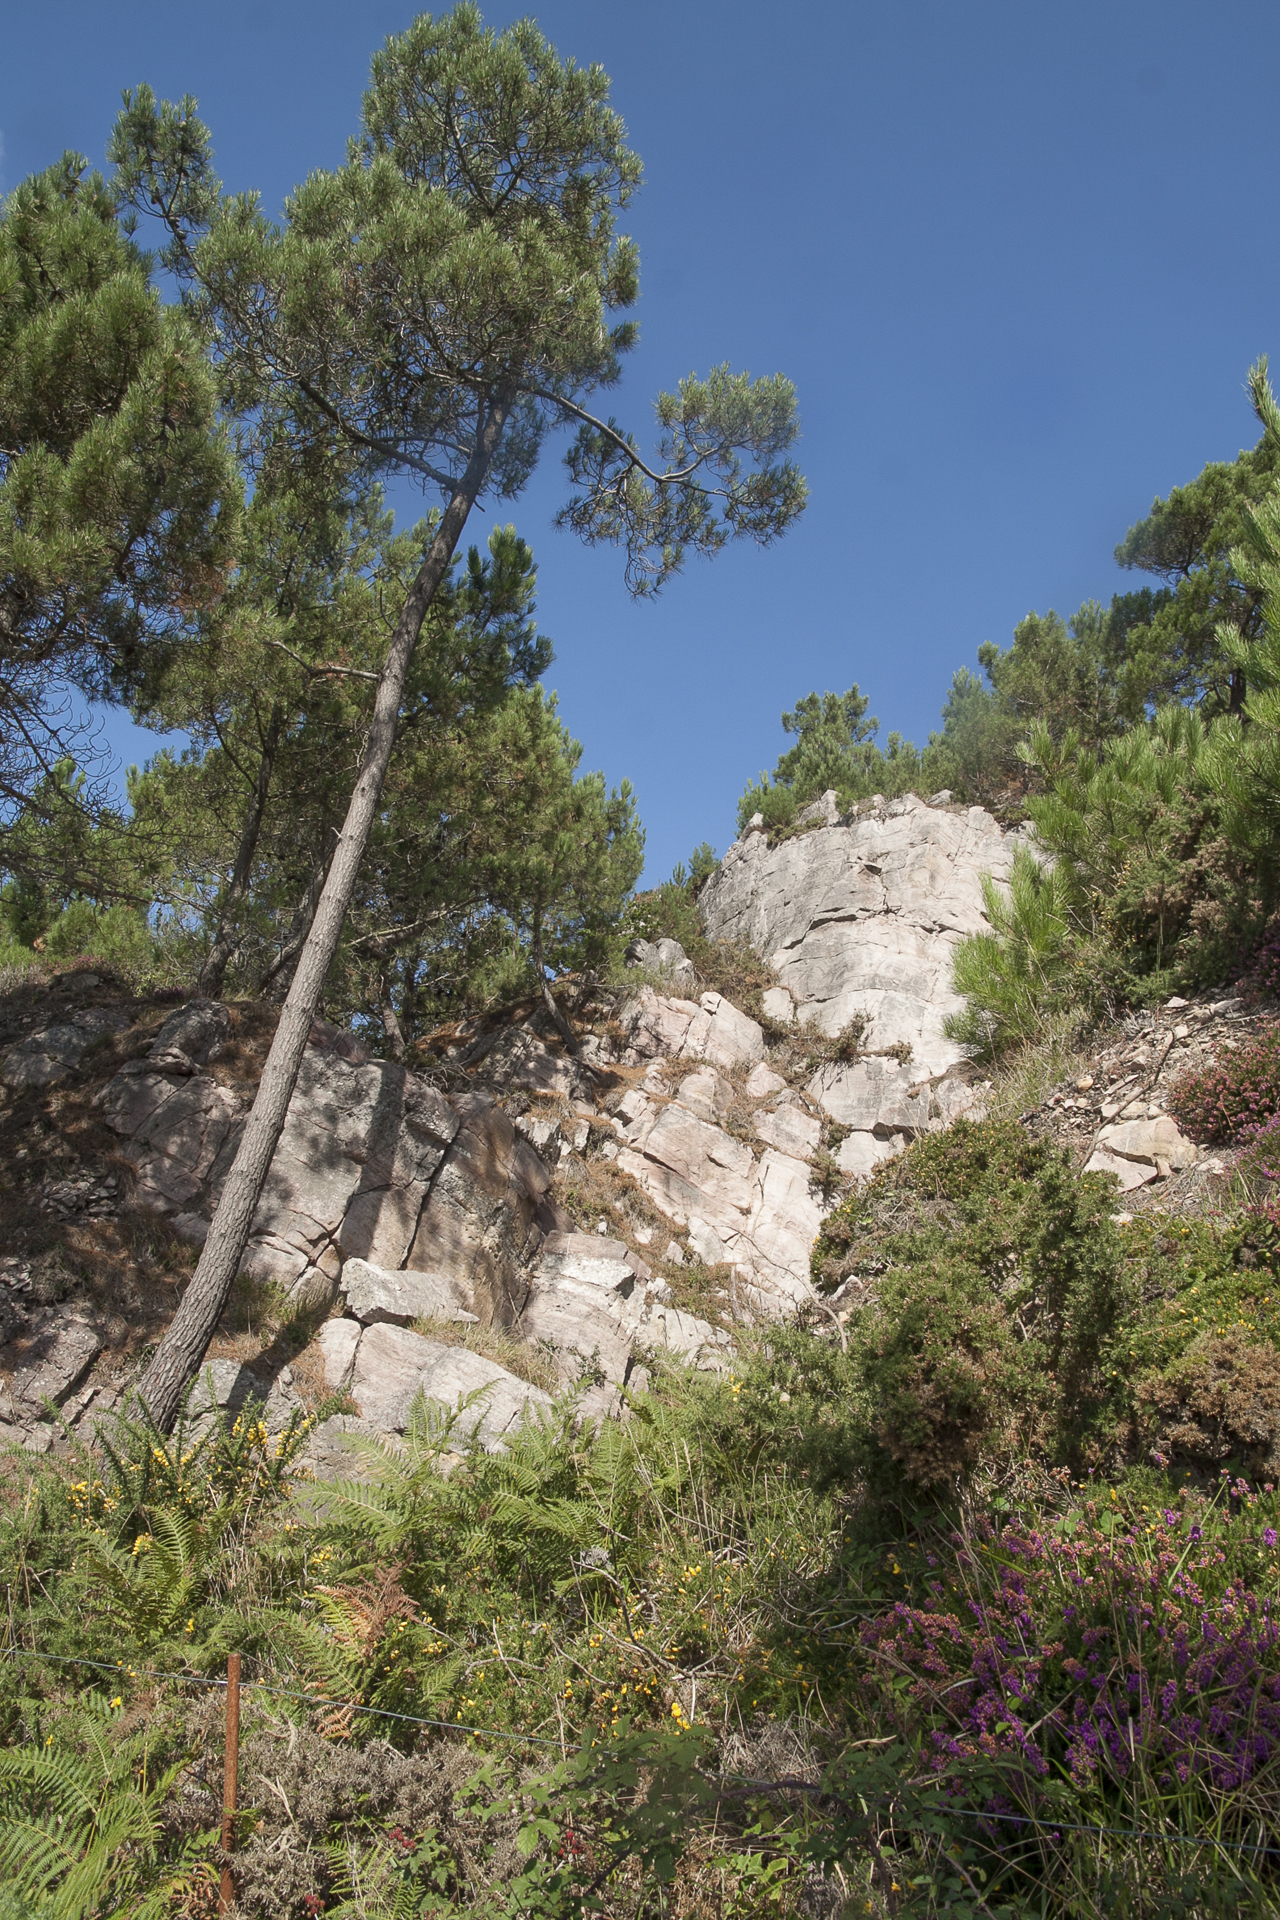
(602, 1226)
(778, 1006)
(762, 1081)
(1175, 1005)
(1084, 1083)
(1110, 1108)
(674, 1253)
(1182, 1031)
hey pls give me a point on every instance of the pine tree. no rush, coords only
(118, 493)
(441, 302)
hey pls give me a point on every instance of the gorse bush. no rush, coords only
(1008, 1317)
(1223, 1102)
(998, 1271)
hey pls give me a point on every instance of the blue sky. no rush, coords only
(1017, 259)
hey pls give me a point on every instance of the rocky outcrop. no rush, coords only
(660, 1028)
(54, 1052)
(859, 919)
(373, 1166)
(387, 1368)
(753, 1214)
(410, 1208)
(668, 960)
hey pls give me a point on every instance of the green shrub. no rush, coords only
(1002, 1283)
(1025, 969)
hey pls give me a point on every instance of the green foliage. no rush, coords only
(1245, 762)
(160, 1516)
(118, 496)
(1026, 967)
(835, 749)
(82, 1828)
(1007, 1276)
(1179, 639)
(1145, 890)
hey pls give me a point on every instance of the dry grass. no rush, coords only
(505, 1349)
(1025, 1079)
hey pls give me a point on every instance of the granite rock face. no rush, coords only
(373, 1166)
(710, 1029)
(413, 1207)
(52, 1054)
(754, 1215)
(666, 958)
(385, 1368)
(861, 918)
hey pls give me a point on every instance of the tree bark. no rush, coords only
(390, 1021)
(1236, 696)
(563, 1028)
(213, 972)
(178, 1357)
(274, 980)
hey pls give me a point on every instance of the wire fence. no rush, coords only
(817, 1788)
(118, 1667)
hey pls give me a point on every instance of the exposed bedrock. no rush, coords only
(862, 918)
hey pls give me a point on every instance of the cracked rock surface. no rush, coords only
(861, 918)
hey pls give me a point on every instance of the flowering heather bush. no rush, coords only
(1259, 1164)
(1237, 1094)
(1123, 1659)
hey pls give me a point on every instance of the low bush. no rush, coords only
(1222, 1103)
(1113, 1664)
(1006, 1315)
(996, 1281)
(1257, 1170)
(1259, 978)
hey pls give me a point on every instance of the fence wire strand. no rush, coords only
(815, 1787)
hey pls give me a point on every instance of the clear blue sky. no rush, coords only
(1017, 259)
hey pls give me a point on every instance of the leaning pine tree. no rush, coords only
(440, 303)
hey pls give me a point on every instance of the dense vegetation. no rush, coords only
(891, 1629)
(956, 1596)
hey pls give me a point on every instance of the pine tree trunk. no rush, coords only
(274, 981)
(179, 1354)
(563, 1028)
(213, 972)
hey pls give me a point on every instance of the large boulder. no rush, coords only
(757, 1216)
(390, 1367)
(860, 919)
(373, 1165)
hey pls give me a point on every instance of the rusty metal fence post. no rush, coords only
(231, 1765)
